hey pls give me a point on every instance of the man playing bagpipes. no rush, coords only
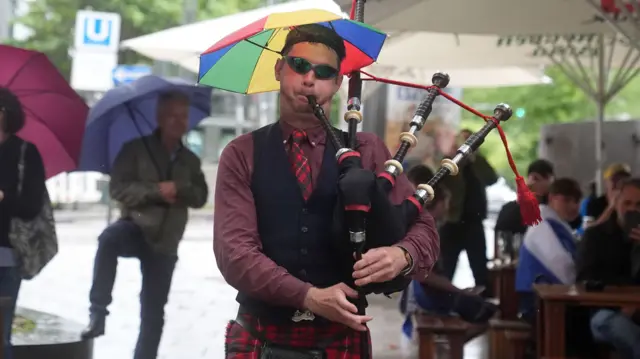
(274, 202)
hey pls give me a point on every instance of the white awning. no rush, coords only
(182, 45)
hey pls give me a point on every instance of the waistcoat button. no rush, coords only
(304, 251)
(304, 229)
(302, 273)
(305, 211)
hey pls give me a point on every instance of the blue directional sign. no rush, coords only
(125, 74)
(97, 31)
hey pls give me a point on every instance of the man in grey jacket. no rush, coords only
(155, 179)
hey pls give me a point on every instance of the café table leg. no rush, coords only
(509, 298)
(554, 329)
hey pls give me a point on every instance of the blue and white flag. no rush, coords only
(547, 253)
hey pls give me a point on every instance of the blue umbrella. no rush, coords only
(129, 112)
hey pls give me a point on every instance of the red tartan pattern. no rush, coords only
(240, 344)
(300, 163)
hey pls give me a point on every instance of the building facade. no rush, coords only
(7, 9)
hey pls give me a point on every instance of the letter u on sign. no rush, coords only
(97, 32)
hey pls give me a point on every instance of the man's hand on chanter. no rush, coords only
(332, 303)
(379, 265)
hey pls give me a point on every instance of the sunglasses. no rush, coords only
(302, 66)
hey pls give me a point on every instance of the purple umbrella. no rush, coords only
(129, 112)
(56, 115)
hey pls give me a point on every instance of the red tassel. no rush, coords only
(529, 209)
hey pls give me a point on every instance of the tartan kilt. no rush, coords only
(240, 344)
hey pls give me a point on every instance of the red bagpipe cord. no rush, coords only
(528, 203)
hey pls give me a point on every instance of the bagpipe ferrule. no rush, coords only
(425, 193)
(410, 138)
(451, 165)
(464, 150)
(354, 103)
(393, 167)
(417, 122)
(353, 115)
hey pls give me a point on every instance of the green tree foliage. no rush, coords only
(52, 22)
(210, 9)
(559, 102)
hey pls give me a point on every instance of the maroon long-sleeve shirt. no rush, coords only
(237, 244)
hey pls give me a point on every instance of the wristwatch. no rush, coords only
(409, 259)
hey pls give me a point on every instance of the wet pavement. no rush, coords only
(47, 329)
(200, 303)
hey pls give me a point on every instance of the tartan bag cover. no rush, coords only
(339, 341)
(34, 241)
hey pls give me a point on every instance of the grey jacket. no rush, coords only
(140, 165)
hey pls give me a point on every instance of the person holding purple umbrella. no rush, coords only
(155, 179)
(25, 204)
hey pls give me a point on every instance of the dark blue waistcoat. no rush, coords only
(295, 234)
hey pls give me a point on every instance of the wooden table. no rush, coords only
(552, 303)
(503, 277)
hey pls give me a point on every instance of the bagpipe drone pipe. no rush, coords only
(364, 217)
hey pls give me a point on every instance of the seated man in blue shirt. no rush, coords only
(436, 293)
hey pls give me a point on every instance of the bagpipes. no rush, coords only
(365, 214)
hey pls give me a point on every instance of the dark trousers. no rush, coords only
(467, 236)
(125, 239)
(10, 281)
(470, 308)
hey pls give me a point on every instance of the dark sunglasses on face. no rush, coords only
(302, 66)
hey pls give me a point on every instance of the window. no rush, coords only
(194, 140)
(223, 103)
(226, 136)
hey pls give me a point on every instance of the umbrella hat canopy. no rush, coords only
(244, 61)
(55, 113)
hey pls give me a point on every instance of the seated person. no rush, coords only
(584, 205)
(539, 178)
(436, 293)
(600, 208)
(604, 258)
(548, 249)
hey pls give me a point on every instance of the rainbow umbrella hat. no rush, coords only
(244, 61)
